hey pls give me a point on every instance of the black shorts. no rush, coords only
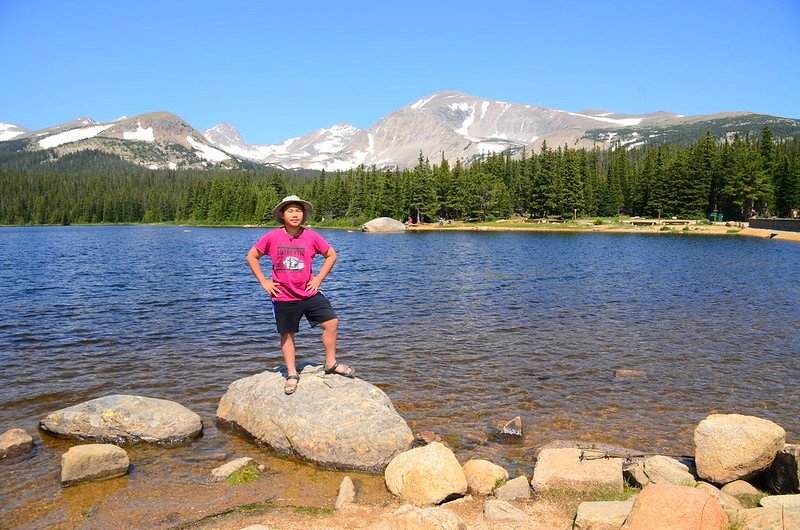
(316, 309)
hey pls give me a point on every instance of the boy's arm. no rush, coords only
(316, 281)
(252, 259)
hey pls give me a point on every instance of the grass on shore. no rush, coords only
(254, 508)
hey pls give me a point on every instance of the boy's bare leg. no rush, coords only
(329, 334)
(287, 348)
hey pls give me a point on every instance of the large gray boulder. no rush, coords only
(732, 447)
(383, 224)
(125, 419)
(330, 420)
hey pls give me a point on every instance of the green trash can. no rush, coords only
(719, 217)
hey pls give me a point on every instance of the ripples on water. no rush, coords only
(461, 329)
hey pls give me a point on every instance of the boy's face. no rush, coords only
(293, 215)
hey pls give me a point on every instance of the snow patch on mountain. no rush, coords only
(335, 139)
(617, 121)
(140, 134)
(421, 103)
(9, 131)
(73, 135)
(206, 151)
(469, 120)
(488, 146)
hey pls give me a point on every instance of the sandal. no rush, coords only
(346, 371)
(291, 384)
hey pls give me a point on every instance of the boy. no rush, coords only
(294, 288)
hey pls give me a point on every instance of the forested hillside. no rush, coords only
(738, 179)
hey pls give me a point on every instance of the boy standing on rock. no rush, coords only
(294, 289)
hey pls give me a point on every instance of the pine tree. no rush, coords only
(572, 199)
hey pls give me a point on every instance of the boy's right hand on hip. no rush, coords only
(272, 288)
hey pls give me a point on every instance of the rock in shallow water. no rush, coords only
(84, 463)
(15, 442)
(125, 419)
(330, 420)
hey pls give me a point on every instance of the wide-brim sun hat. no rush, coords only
(277, 212)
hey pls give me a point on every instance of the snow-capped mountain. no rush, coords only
(9, 131)
(456, 125)
(328, 149)
(157, 140)
(465, 127)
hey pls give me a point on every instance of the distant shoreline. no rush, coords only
(634, 226)
(587, 226)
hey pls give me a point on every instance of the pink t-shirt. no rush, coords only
(291, 260)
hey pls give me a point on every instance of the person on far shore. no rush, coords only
(294, 289)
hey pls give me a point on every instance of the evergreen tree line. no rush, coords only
(737, 178)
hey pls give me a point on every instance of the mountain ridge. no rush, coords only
(452, 124)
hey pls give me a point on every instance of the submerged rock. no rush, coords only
(125, 419)
(224, 471)
(383, 224)
(15, 442)
(330, 420)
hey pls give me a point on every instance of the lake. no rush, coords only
(463, 330)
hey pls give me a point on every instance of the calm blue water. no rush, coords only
(461, 329)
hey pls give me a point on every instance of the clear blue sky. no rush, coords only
(281, 69)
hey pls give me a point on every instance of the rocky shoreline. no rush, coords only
(742, 474)
(645, 226)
